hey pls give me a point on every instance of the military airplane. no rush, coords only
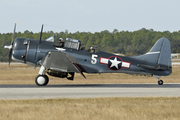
(64, 62)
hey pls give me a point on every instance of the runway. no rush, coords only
(88, 91)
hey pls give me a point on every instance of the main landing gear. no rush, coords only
(41, 80)
(160, 82)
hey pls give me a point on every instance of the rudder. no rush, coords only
(165, 55)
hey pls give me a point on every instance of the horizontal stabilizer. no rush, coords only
(147, 66)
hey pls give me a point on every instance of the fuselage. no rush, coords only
(31, 52)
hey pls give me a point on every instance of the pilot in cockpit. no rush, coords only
(61, 43)
(83, 47)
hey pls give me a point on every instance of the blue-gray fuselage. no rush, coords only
(31, 52)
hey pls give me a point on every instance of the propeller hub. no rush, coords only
(8, 46)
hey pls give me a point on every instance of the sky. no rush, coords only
(89, 15)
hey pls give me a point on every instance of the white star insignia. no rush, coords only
(115, 63)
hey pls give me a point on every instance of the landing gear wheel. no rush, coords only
(41, 80)
(160, 82)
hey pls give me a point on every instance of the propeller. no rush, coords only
(36, 55)
(41, 33)
(10, 46)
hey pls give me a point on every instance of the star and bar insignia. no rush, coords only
(114, 62)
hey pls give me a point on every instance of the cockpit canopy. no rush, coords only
(72, 43)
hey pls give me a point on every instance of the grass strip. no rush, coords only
(135, 108)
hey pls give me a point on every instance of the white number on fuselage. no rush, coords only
(94, 59)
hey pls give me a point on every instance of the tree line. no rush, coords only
(125, 42)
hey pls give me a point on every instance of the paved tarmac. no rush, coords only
(88, 91)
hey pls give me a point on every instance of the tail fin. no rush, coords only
(159, 56)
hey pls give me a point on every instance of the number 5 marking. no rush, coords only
(94, 59)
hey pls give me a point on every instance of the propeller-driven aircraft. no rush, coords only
(64, 62)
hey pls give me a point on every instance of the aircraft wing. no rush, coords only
(62, 62)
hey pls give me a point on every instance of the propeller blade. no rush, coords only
(11, 46)
(10, 56)
(13, 34)
(41, 33)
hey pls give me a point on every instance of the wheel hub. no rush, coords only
(41, 80)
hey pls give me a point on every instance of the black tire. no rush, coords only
(160, 82)
(41, 80)
(47, 79)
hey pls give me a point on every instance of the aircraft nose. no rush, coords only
(18, 50)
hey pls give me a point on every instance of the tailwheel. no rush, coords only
(160, 82)
(41, 80)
